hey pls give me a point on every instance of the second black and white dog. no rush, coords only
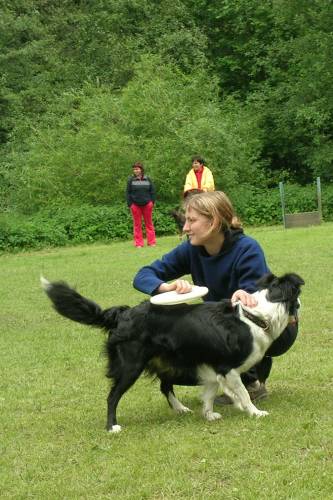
(208, 344)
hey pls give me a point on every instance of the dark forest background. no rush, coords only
(89, 87)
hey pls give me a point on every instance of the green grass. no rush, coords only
(53, 391)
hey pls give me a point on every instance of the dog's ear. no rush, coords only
(285, 288)
(266, 280)
(295, 279)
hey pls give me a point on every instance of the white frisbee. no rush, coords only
(172, 298)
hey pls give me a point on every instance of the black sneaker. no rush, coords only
(223, 400)
(257, 391)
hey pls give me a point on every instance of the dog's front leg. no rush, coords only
(237, 391)
(208, 396)
(176, 405)
(167, 390)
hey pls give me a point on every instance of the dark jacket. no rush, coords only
(140, 191)
(240, 263)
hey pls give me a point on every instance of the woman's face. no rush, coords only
(137, 171)
(199, 228)
(196, 165)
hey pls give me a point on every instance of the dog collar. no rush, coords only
(260, 322)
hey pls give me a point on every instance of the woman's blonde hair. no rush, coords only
(216, 206)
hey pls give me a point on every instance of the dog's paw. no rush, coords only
(260, 413)
(183, 409)
(177, 406)
(115, 429)
(212, 415)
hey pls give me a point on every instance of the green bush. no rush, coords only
(18, 233)
(162, 117)
(59, 226)
(68, 225)
(87, 223)
(257, 206)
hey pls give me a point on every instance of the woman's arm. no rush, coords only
(152, 191)
(153, 279)
(250, 266)
(207, 183)
(190, 181)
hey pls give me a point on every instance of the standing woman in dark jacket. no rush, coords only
(140, 195)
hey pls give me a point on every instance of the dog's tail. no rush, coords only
(70, 304)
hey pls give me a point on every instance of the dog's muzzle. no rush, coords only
(293, 318)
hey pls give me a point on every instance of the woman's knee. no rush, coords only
(283, 343)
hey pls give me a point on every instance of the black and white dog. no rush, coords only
(208, 344)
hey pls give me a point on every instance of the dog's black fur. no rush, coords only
(208, 344)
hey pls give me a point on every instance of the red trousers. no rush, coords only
(145, 212)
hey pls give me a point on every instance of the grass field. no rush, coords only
(53, 391)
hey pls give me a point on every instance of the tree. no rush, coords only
(276, 55)
(297, 99)
(162, 117)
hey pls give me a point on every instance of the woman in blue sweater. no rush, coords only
(221, 257)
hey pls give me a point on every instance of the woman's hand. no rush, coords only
(245, 298)
(179, 286)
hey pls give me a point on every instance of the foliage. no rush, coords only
(257, 206)
(161, 117)
(277, 56)
(239, 35)
(71, 225)
(89, 87)
(52, 47)
(63, 225)
(297, 102)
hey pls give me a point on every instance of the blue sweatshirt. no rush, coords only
(240, 263)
